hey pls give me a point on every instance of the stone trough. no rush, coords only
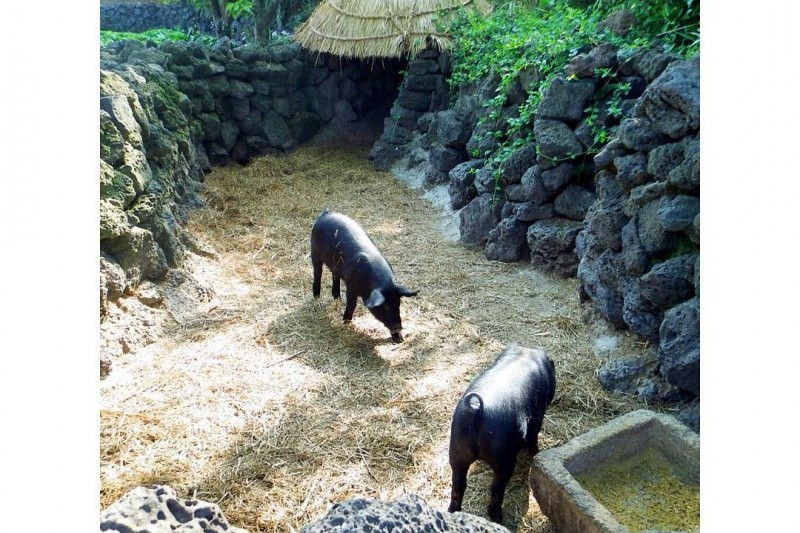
(648, 465)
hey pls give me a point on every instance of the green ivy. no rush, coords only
(156, 36)
(543, 37)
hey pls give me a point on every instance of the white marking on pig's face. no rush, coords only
(375, 299)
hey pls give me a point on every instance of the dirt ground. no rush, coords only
(234, 385)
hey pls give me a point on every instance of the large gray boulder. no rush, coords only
(478, 218)
(507, 241)
(672, 101)
(566, 99)
(670, 282)
(462, 183)
(574, 202)
(410, 514)
(158, 510)
(552, 245)
(556, 141)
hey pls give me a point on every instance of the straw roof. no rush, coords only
(381, 28)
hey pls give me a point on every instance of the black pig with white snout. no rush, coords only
(338, 242)
(500, 413)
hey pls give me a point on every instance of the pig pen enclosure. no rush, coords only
(250, 393)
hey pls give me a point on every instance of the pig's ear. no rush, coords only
(375, 299)
(402, 291)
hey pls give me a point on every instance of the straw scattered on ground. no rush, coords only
(256, 396)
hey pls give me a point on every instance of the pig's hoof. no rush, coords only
(397, 338)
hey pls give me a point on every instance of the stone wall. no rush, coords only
(138, 17)
(624, 220)
(168, 113)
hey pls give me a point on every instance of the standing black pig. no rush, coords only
(344, 247)
(500, 412)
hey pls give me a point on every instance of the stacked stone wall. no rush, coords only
(168, 113)
(623, 216)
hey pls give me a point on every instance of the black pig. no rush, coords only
(344, 247)
(500, 412)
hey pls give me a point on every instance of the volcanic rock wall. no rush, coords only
(621, 214)
(168, 113)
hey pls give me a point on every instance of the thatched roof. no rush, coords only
(380, 28)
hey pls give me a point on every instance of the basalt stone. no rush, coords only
(261, 87)
(112, 145)
(652, 235)
(696, 277)
(507, 241)
(679, 346)
(256, 143)
(609, 192)
(482, 142)
(605, 294)
(136, 167)
(637, 376)
(261, 102)
(508, 209)
(275, 129)
(663, 159)
(641, 316)
(281, 53)
(452, 132)
(305, 126)
(690, 416)
(252, 123)
(240, 89)
(605, 158)
(194, 87)
(478, 218)
(533, 187)
(574, 202)
(157, 509)
(678, 213)
(393, 133)
(462, 178)
(283, 107)
(639, 134)
(228, 132)
(236, 68)
(552, 245)
(211, 125)
(650, 64)
(444, 159)
(565, 99)
(417, 101)
(422, 82)
(423, 66)
(409, 514)
(631, 170)
(239, 109)
(518, 163)
(120, 111)
(555, 178)
(670, 282)
(644, 194)
(686, 176)
(584, 65)
(219, 85)
(636, 259)
(139, 256)
(605, 224)
(485, 182)
(528, 212)
(556, 142)
(672, 101)
(515, 193)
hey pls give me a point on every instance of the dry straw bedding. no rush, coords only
(269, 405)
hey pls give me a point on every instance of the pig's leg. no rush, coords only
(459, 485)
(317, 264)
(335, 290)
(350, 306)
(502, 473)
